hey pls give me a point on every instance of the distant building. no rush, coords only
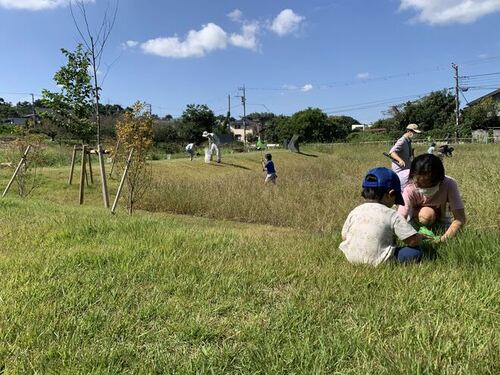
(20, 120)
(16, 121)
(358, 127)
(237, 128)
(494, 95)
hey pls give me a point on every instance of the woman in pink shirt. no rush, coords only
(428, 193)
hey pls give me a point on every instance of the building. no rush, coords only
(237, 128)
(358, 127)
(494, 95)
(20, 120)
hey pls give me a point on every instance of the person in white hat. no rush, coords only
(402, 154)
(212, 147)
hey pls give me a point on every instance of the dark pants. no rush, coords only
(408, 254)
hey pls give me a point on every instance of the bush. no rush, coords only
(359, 136)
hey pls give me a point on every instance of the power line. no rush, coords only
(463, 96)
(481, 75)
(377, 103)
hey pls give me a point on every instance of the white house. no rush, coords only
(238, 129)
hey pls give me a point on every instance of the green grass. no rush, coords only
(87, 292)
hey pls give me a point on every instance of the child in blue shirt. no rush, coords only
(268, 166)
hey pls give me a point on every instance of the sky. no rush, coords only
(347, 57)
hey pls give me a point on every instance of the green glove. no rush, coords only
(428, 233)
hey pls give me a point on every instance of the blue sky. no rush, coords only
(352, 57)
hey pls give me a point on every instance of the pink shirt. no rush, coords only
(448, 193)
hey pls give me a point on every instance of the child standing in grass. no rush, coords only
(368, 233)
(428, 194)
(268, 166)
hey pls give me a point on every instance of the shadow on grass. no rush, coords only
(309, 155)
(235, 166)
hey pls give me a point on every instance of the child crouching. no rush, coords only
(368, 233)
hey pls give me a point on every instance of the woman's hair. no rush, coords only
(428, 164)
(269, 157)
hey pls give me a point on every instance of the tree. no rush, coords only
(431, 113)
(194, 121)
(6, 110)
(482, 115)
(27, 178)
(135, 131)
(275, 129)
(339, 128)
(71, 108)
(94, 44)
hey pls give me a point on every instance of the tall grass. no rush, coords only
(315, 191)
(87, 292)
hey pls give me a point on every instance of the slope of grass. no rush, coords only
(87, 292)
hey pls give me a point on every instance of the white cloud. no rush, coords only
(286, 22)
(306, 88)
(131, 43)
(36, 4)
(363, 76)
(211, 37)
(197, 43)
(441, 12)
(247, 38)
(236, 15)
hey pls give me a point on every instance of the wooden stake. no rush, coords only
(21, 162)
(90, 168)
(73, 157)
(114, 158)
(120, 187)
(82, 173)
(104, 184)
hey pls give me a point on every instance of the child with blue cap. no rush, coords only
(368, 233)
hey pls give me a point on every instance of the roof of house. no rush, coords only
(489, 95)
(16, 120)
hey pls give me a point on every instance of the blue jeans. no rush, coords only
(408, 254)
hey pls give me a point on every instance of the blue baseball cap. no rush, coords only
(384, 178)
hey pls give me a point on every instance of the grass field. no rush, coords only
(220, 274)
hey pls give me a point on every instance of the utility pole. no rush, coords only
(33, 108)
(148, 108)
(229, 112)
(244, 101)
(457, 101)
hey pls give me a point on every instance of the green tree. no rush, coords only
(6, 110)
(195, 120)
(338, 128)
(482, 115)
(276, 129)
(71, 108)
(432, 113)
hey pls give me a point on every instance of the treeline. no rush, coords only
(434, 113)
